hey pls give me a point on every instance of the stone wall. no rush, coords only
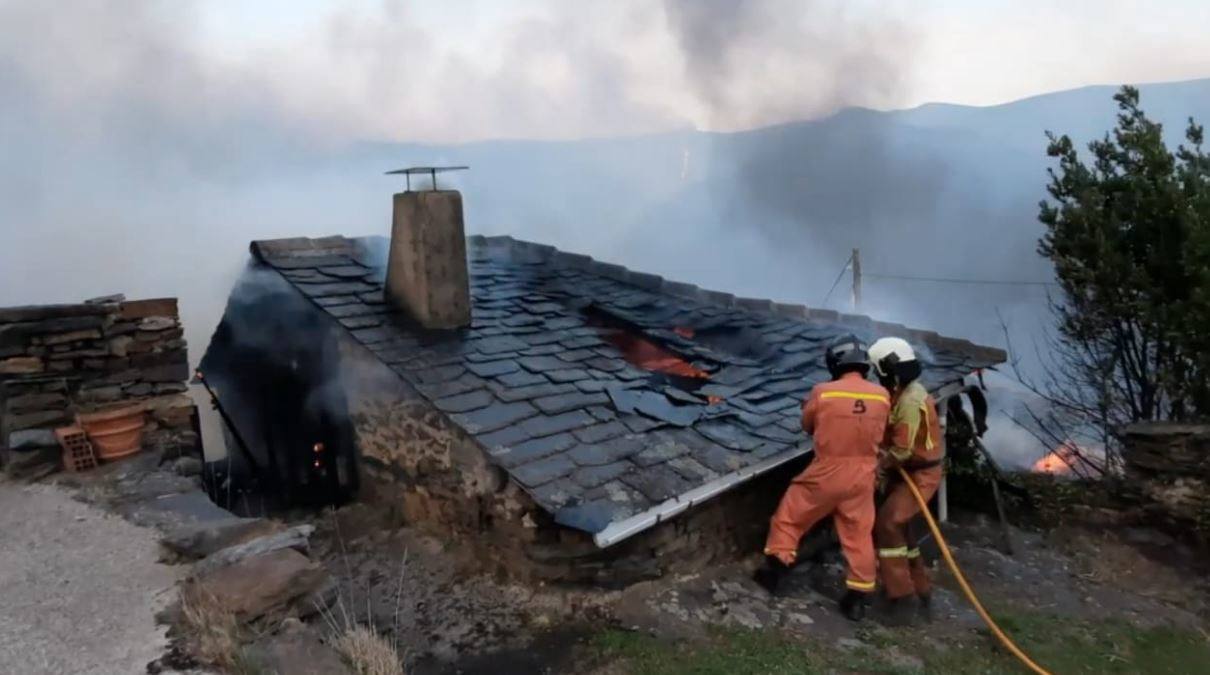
(1170, 464)
(59, 360)
(431, 475)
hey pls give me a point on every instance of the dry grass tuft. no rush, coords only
(368, 652)
(215, 634)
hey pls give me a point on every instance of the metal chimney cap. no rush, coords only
(432, 171)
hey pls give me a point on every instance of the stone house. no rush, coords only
(559, 417)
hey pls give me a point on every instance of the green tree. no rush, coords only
(1128, 232)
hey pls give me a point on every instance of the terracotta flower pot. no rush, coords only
(115, 433)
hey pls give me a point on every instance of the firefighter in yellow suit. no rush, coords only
(913, 441)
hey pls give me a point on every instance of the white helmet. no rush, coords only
(894, 361)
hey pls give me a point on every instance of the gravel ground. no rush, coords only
(79, 587)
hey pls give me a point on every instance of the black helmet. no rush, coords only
(847, 354)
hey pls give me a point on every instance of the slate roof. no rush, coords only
(605, 446)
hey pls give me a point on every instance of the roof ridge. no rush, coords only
(680, 289)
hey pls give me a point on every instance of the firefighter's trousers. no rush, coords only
(843, 488)
(899, 562)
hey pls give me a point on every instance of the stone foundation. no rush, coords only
(60, 360)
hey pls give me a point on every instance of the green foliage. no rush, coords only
(1060, 644)
(1129, 235)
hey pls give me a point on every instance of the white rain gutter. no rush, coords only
(628, 527)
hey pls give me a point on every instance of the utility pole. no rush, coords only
(856, 260)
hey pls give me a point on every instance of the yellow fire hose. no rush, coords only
(966, 587)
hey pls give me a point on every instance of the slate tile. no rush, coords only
(335, 288)
(610, 451)
(349, 309)
(495, 416)
(520, 452)
(543, 471)
(539, 339)
(602, 413)
(562, 403)
(439, 374)
(545, 307)
(774, 432)
(521, 379)
(582, 342)
(658, 407)
(531, 391)
(492, 368)
(593, 476)
(693, 470)
(600, 432)
(657, 483)
(733, 375)
(722, 460)
(545, 425)
(452, 388)
(335, 300)
(606, 365)
(631, 373)
(522, 320)
(541, 364)
(562, 323)
(368, 336)
(728, 435)
(460, 403)
(544, 350)
(500, 442)
(575, 355)
(660, 451)
(792, 423)
(567, 375)
(361, 321)
(498, 345)
(345, 271)
(374, 297)
(639, 424)
(770, 449)
(555, 494)
(593, 386)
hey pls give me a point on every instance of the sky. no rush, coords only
(470, 69)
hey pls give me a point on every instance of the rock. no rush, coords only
(262, 585)
(35, 419)
(171, 388)
(140, 389)
(296, 538)
(141, 309)
(298, 652)
(120, 346)
(32, 439)
(21, 365)
(73, 336)
(178, 372)
(850, 644)
(187, 466)
(157, 323)
(112, 299)
(33, 464)
(100, 394)
(198, 540)
(44, 312)
(35, 402)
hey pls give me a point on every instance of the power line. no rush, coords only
(840, 276)
(939, 280)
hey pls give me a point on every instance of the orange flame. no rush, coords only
(1062, 461)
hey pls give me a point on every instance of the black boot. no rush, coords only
(770, 575)
(853, 605)
(924, 610)
(900, 612)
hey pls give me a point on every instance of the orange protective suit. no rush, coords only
(914, 439)
(848, 419)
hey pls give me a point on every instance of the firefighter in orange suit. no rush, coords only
(913, 442)
(847, 417)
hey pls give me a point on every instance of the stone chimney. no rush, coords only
(426, 269)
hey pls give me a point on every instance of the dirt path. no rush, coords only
(79, 587)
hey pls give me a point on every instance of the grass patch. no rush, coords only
(216, 636)
(1058, 644)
